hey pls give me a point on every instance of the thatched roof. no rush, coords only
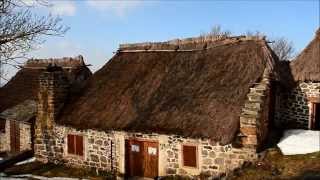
(21, 112)
(24, 85)
(306, 67)
(196, 92)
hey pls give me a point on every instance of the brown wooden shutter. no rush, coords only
(79, 145)
(189, 156)
(2, 125)
(71, 144)
(14, 136)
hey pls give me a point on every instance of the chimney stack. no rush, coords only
(53, 90)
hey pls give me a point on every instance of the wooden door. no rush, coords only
(14, 136)
(141, 158)
(317, 116)
(134, 158)
(151, 155)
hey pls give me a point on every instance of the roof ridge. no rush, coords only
(189, 43)
(64, 61)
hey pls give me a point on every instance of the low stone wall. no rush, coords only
(106, 151)
(255, 116)
(5, 138)
(292, 110)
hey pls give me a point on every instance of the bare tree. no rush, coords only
(216, 30)
(283, 48)
(21, 30)
(255, 33)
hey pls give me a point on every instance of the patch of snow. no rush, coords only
(298, 141)
(26, 161)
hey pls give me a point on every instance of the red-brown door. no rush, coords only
(151, 155)
(135, 158)
(316, 116)
(141, 158)
(14, 136)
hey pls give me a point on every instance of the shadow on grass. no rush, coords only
(53, 170)
(309, 175)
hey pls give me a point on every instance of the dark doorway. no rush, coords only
(141, 158)
(316, 113)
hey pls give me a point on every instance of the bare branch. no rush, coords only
(21, 31)
(216, 30)
(283, 49)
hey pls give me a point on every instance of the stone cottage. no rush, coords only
(16, 127)
(18, 100)
(298, 106)
(197, 106)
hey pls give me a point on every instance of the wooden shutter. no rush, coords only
(189, 156)
(14, 136)
(2, 125)
(79, 145)
(71, 144)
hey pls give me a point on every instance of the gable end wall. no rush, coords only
(293, 107)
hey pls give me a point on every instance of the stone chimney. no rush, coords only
(53, 90)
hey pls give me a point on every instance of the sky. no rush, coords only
(97, 27)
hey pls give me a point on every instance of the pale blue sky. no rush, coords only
(98, 27)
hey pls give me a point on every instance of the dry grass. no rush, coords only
(52, 170)
(277, 166)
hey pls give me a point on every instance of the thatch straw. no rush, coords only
(63, 62)
(197, 43)
(189, 93)
(25, 84)
(306, 67)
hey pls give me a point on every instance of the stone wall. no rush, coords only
(97, 149)
(105, 151)
(213, 159)
(255, 116)
(25, 136)
(292, 110)
(53, 90)
(5, 138)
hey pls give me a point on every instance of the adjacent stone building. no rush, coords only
(298, 106)
(193, 107)
(18, 99)
(17, 127)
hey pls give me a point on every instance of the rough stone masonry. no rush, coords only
(293, 107)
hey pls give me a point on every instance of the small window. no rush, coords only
(75, 144)
(135, 148)
(152, 151)
(2, 126)
(189, 156)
